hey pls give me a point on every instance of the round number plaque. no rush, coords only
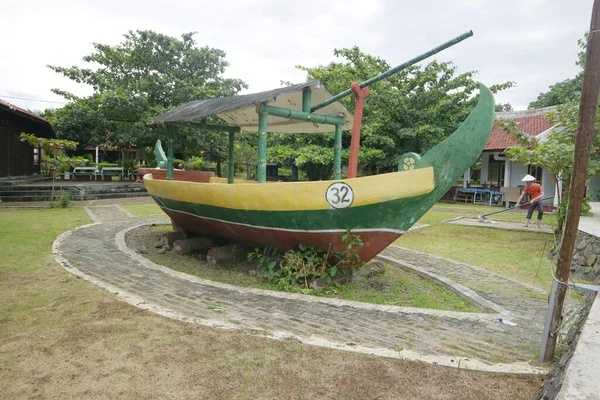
(339, 195)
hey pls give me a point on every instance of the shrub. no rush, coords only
(564, 204)
(63, 201)
(149, 158)
(299, 267)
(105, 164)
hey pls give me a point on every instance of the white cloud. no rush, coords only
(532, 42)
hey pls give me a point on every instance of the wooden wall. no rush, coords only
(16, 157)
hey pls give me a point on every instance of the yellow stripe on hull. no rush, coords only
(294, 196)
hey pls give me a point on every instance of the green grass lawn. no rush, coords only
(142, 209)
(517, 254)
(475, 210)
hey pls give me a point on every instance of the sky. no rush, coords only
(531, 42)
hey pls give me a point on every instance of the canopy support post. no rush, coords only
(262, 146)
(230, 164)
(337, 152)
(170, 135)
(306, 99)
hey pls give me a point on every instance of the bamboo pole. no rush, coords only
(170, 151)
(230, 161)
(585, 132)
(261, 175)
(337, 152)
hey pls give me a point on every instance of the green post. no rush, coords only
(262, 146)
(306, 99)
(171, 134)
(230, 169)
(337, 153)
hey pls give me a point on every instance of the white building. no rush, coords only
(499, 172)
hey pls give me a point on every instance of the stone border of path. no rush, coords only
(450, 361)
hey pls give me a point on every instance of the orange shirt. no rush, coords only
(534, 190)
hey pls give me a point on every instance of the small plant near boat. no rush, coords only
(299, 267)
(63, 201)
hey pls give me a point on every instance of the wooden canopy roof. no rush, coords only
(240, 110)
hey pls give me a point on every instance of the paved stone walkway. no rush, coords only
(499, 224)
(107, 213)
(469, 340)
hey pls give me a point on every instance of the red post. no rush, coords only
(360, 94)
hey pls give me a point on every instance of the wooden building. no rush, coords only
(19, 158)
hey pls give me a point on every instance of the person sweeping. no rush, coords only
(537, 194)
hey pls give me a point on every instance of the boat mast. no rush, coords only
(361, 91)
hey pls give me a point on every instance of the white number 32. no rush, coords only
(339, 195)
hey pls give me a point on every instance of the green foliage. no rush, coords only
(564, 205)
(149, 158)
(556, 152)
(63, 201)
(299, 267)
(54, 159)
(412, 110)
(51, 145)
(560, 93)
(147, 74)
(128, 164)
(246, 149)
(195, 163)
(504, 107)
(105, 164)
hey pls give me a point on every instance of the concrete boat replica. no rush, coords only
(283, 215)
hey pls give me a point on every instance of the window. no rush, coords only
(495, 171)
(534, 171)
(36, 156)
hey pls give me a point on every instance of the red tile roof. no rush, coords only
(19, 110)
(531, 124)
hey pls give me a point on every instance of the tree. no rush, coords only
(556, 152)
(54, 157)
(412, 110)
(245, 152)
(136, 80)
(568, 90)
(504, 107)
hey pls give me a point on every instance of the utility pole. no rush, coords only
(585, 133)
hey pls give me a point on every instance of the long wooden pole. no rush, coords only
(585, 133)
(394, 70)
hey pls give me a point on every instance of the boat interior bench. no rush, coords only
(112, 171)
(79, 173)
